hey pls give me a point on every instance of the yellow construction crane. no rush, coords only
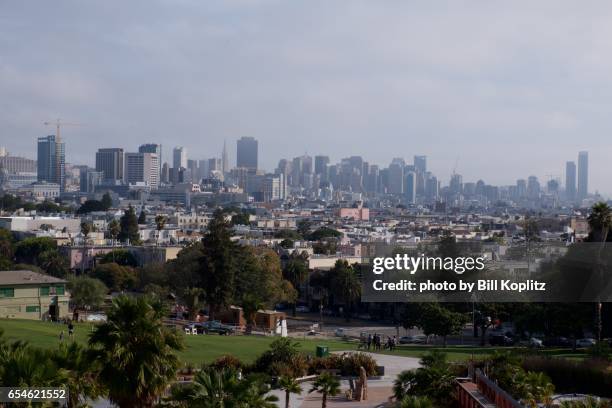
(58, 124)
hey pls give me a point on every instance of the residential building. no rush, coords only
(31, 295)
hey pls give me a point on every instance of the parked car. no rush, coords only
(535, 343)
(500, 340)
(302, 309)
(585, 342)
(557, 342)
(217, 327)
(417, 339)
(340, 332)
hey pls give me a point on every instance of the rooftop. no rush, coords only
(26, 277)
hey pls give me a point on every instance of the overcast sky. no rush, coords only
(506, 89)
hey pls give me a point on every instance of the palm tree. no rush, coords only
(415, 402)
(290, 386)
(160, 223)
(136, 352)
(86, 228)
(222, 388)
(80, 373)
(326, 384)
(600, 221)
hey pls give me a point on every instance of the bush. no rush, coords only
(226, 361)
(352, 362)
(586, 377)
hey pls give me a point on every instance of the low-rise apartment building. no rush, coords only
(31, 295)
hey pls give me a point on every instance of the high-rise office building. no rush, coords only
(410, 186)
(152, 148)
(52, 161)
(570, 181)
(179, 156)
(420, 164)
(225, 166)
(142, 168)
(583, 175)
(246, 153)
(111, 163)
(396, 178)
(321, 163)
(89, 179)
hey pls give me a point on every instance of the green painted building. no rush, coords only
(31, 295)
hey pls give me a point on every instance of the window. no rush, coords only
(52, 290)
(32, 309)
(7, 292)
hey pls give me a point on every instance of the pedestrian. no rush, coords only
(70, 329)
(61, 336)
(369, 341)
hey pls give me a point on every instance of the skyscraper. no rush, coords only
(420, 163)
(246, 153)
(110, 162)
(142, 167)
(583, 175)
(52, 161)
(321, 163)
(179, 157)
(224, 160)
(570, 181)
(152, 148)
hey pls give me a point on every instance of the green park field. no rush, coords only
(201, 349)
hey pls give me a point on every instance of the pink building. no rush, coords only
(360, 213)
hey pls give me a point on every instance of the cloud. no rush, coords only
(513, 89)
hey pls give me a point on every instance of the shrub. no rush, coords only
(587, 377)
(353, 361)
(226, 361)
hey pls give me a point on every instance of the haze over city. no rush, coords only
(504, 91)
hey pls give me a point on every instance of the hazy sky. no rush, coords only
(508, 89)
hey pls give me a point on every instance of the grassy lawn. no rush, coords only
(200, 349)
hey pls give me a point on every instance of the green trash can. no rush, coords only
(322, 351)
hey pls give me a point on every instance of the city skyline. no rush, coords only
(408, 79)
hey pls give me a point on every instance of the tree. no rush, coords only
(91, 206)
(217, 264)
(251, 304)
(324, 233)
(303, 227)
(137, 353)
(53, 263)
(345, 285)
(440, 321)
(160, 223)
(80, 373)
(287, 243)
(296, 272)
(86, 293)
(327, 385)
(107, 201)
(241, 218)
(28, 250)
(129, 227)
(191, 297)
(213, 388)
(290, 386)
(600, 221)
(115, 277)
(121, 257)
(114, 229)
(415, 402)
(86, 228)
(142, 218)
(434, 379)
